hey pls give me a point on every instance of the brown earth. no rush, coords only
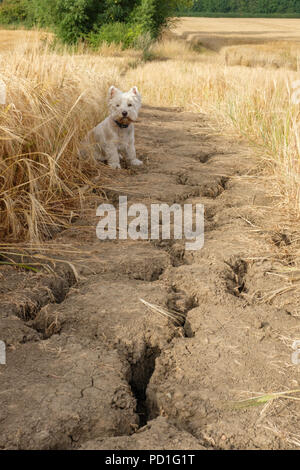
(89, 367)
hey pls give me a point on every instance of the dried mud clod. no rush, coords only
(175, 249)
(281, 239)
(235, 277)
(46, 322)
(204, 157)
(214, 190)
(179, 301)
(34, 306)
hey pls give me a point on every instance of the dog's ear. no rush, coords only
(135, 91)
(112, 92)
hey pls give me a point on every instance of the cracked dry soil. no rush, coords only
(89, 367)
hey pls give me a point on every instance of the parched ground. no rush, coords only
(89, 367)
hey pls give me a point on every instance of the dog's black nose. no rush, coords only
(125, 113)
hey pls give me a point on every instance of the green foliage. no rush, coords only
(74, 19)
(13, 11)
(155, 15)
(242, 7)
(118, 10)
(145, 14)
(207, 14)
(119, 33)
(41, 13)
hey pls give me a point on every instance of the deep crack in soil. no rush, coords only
(89, 367)
(142, 372)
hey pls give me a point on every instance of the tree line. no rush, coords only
(246, 6)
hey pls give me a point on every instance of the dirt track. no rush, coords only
(89, 367)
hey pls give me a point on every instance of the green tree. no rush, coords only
(247, 6)
(74, 19)
(155, 15)
(13, 11)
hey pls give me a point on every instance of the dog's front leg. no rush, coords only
(130, 154)
(112, 155)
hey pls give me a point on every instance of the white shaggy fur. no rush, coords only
(116, 133)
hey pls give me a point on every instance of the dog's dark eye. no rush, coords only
(118, 105)
(129, 105)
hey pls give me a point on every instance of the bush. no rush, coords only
(154, 16)
(74, 19)
(117, 11)
(118, 33)
(13, 11)
(41, 13)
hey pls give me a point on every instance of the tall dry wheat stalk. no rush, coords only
(52, 100)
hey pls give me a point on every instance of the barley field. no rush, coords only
(219, 32)
(240, 72)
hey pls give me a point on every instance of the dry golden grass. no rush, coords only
(251, 102)
(270, 55)
(217, 33)
(251, 42)
(10, 39)
(52, 99)
(267, 27)
(169, 48)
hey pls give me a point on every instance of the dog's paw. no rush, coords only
(115, 166)
(136, 162)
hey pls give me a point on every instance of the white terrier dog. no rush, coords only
(116, 133)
